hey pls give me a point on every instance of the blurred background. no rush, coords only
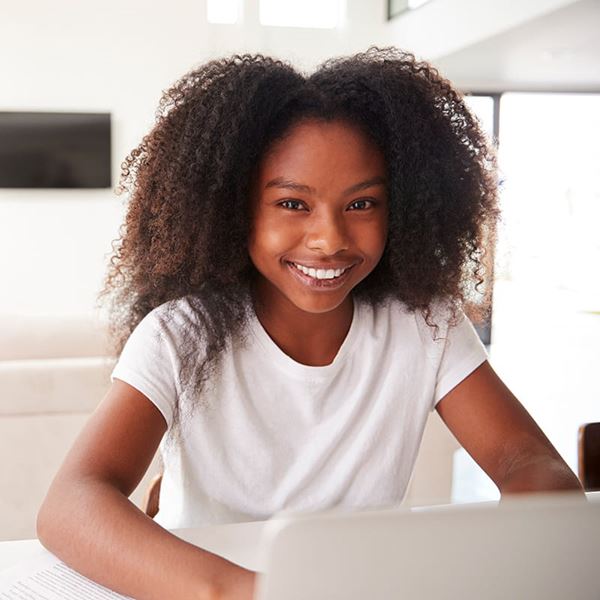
(85, 78)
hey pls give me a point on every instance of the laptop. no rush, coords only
(541, 546)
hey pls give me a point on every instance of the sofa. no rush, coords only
(53, 373)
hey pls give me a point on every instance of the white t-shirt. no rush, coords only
(283, 435)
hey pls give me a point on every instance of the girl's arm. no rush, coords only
(87, 520)
(500, 435)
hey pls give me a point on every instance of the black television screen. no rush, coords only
(55, 150)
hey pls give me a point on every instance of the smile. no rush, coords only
(320, 273)
(320, 278)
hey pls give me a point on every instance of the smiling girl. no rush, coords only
(288, 303)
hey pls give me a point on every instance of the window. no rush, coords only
(397, 7)
(319, 14)
(550, 155)
(223, 11)
(546, 288)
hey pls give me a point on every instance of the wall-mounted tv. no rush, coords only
(55, 150)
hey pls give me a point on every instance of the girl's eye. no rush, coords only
(292, 202)
(362, 203)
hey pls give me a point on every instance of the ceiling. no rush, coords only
(556, 52)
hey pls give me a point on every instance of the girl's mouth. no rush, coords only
(320, 284)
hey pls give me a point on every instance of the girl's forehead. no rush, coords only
(314, 131)
(326, 147)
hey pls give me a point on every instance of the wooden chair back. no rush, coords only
(588, 456)
(152, 496)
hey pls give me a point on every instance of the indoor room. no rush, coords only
(85, 84)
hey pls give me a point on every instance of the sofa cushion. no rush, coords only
(32, 448)
(58, 385)
(24, 337)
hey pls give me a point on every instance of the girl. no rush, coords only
(287, 303)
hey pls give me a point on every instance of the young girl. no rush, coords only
(287, 303)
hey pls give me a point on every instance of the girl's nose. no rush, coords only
(328, 234)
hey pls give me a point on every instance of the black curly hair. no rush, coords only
(187, 223)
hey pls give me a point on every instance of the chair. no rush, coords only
(588, 455)
(152, 496)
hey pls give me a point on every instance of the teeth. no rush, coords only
(320, 273)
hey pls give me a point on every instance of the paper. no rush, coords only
(45, 577)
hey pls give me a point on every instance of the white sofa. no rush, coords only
(54, 372)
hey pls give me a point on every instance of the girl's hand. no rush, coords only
(235, 583)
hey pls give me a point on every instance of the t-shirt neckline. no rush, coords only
(278, 357)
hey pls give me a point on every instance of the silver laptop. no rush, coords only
(544, 547)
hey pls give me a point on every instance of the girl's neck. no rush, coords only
(312, 339)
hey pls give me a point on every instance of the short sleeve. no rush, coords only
(147, 362)
(463, 352)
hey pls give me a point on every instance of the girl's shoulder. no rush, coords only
(175, 312)
(167, 322)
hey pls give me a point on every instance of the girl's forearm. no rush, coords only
(95, 529)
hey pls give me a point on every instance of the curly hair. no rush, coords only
(187, 223)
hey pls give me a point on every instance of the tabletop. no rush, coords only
(241, 543)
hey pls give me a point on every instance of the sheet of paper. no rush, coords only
(45, 577)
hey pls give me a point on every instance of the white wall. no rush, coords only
(114, 56)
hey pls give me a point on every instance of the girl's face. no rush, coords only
(319, 203)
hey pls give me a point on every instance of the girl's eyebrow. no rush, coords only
(282, 182)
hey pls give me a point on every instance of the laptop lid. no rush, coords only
(535, 546)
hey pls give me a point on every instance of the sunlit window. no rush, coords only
(550, 155)
(397, 7)
(483, 108)
(321, 14)
(546, 287)
(223, 11)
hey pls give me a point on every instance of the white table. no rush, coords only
(242, 543)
